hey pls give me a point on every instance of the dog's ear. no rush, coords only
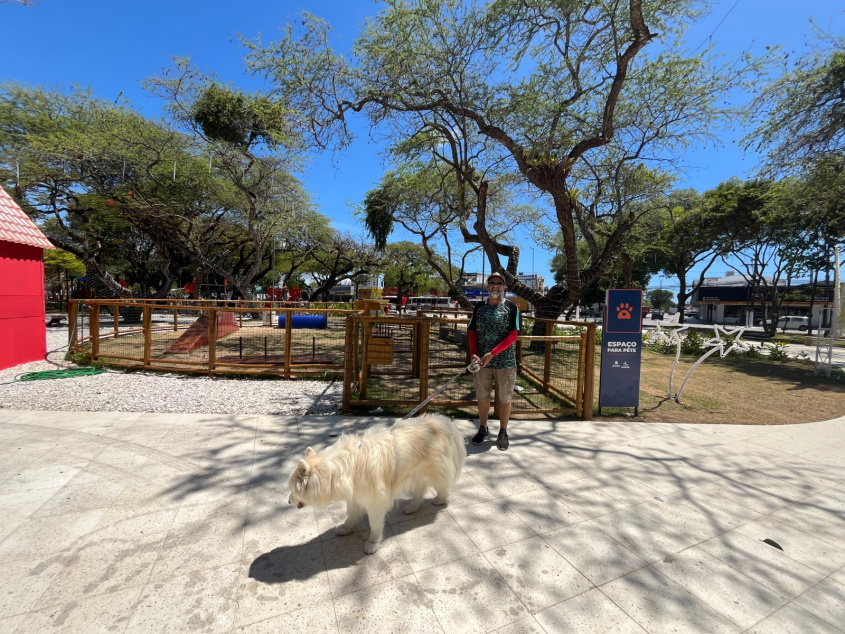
(302, 471)
(309, 452)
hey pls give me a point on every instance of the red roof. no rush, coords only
(15, 225)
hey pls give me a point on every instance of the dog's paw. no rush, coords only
(342, 530)
(439, 501)
(371, 547)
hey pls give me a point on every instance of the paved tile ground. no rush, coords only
(180, 523)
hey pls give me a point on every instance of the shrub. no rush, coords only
(692, 343)
(777, 351)
(754, 353)
(659, 343)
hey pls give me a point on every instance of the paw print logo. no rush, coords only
(623, 311)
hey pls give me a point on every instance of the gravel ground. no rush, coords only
(153, 392)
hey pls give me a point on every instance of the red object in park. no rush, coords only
(196, 336)
(23, 329)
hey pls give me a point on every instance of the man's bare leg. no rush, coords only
(504, 414)
(483, 412)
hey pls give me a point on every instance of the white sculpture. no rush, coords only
(716, 344)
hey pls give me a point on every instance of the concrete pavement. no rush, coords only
(180, 523)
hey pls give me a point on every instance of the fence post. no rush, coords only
(582, 375)
(94, 325)
(347, 368)
(71, 318)
(365, 365)
(425, 333)
(288, 340)
(589, 372)
(356, 351)
(116, 313)
(547, 363)
(146, 325)
(175, 318)
(212, 339)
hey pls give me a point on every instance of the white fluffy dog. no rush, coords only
(369, 472)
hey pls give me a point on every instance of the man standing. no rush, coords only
(492, 334)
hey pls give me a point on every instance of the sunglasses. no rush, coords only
(495, 283)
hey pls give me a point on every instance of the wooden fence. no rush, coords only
(210, 337)
(398, 362)
(385, 360)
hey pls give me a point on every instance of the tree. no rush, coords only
(343, 257)
(122, 191)
(60, 269)
(407, 267)
(813, 206)
(81, 162)
(561, 94)
(686, 239)
(661, 298)
(800, 116)
(252, 150)
(429, 200)
(760, 238)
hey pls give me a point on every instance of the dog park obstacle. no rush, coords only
(196, 336)
(317, 322)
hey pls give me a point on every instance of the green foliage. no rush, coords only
(692, 343)
(59, 260)
(229, 116)
(777, 351)
(754, 352)
(661, 345)
(558, 98)
(83, 359)
(660, 298)
(526, 326)
(801, 115)
(378, 216)
(137, 198)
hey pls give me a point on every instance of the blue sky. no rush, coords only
(111, 46)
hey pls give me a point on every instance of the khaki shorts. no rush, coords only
(505, 380)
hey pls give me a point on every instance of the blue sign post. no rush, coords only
(621, 349)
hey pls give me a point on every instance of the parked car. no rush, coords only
(790, 322)
(691, 313)
(656, 313)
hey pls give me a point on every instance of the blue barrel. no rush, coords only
(318, 322)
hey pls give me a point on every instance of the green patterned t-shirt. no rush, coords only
(491, 325)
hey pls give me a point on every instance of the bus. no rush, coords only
(431, 302)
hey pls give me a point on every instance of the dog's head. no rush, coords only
(300, 479)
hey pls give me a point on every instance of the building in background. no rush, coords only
(728, 300)
(475, 284)
(23, 329)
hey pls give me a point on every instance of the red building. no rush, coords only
(23, 336)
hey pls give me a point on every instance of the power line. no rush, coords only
(717, 27)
